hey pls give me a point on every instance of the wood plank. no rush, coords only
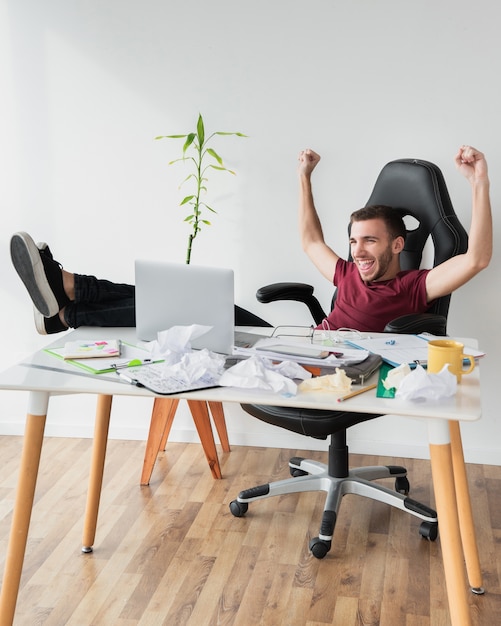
(172, 553)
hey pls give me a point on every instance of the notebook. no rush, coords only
(174, 294)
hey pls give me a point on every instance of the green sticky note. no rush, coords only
(382, 392)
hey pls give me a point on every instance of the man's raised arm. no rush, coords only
(452, 274)
(310, 228)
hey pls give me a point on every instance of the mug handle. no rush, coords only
(471, 359)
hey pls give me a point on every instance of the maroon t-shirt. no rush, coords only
(368, 307)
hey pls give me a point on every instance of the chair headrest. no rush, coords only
(417, 188)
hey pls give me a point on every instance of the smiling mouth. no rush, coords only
(365, 265)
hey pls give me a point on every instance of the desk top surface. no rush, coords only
(29, 375)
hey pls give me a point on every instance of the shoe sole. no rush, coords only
(39, 322)
(28, 264)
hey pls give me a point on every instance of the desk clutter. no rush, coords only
(168, 365)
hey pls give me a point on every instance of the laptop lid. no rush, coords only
(174, 294)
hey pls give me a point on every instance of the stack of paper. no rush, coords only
(399, 349)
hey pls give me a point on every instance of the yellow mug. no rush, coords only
(448, 352)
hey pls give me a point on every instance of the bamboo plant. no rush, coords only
(203, 158)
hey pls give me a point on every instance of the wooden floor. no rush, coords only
(173, 554)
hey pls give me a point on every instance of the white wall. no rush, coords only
(87, 85)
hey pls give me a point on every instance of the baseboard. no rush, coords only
(481, 456)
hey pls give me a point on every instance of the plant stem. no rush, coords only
(199, 185)
(188, 251)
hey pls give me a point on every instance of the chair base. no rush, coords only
(309, 475)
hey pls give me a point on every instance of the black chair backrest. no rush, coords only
(417, 188)
(246, 318)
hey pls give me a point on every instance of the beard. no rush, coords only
(382, 263)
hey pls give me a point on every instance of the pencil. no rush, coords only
(356, 393)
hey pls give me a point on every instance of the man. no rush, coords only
(373, 290)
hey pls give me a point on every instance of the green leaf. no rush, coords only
(222, 169)
(176, 160)
(200, 130)
(207, 222)
(187, 199)
(190, 217)
(187, 178)
(189, 141)
(236, 134)
(214, 154)
(171, 137)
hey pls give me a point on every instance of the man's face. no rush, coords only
(374, 254)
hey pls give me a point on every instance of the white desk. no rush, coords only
(457, 533)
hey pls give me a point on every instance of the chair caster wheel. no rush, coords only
(295, 472)
(402, 485)
(429, 530)
(319, 547)
(238, 509)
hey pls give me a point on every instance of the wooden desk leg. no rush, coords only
(466, 523)
(162, 416)
(170, 406)
(101, 429)
(216, 409)
(200, 414)
(28, 472)
(448, 521)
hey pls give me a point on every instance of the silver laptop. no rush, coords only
(174, 294)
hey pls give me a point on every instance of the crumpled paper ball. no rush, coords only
(261, 373)
(338, 382)
(419, 385)
(171, 344)
(395, 376)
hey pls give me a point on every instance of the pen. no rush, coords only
(356, 393)
(128, 379)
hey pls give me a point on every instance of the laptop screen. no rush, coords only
(174, 294)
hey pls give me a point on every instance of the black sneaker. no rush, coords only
(48, 325)
(41, 274)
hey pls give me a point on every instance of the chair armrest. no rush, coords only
(415, 324)
(284, 291)
(300, 292)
